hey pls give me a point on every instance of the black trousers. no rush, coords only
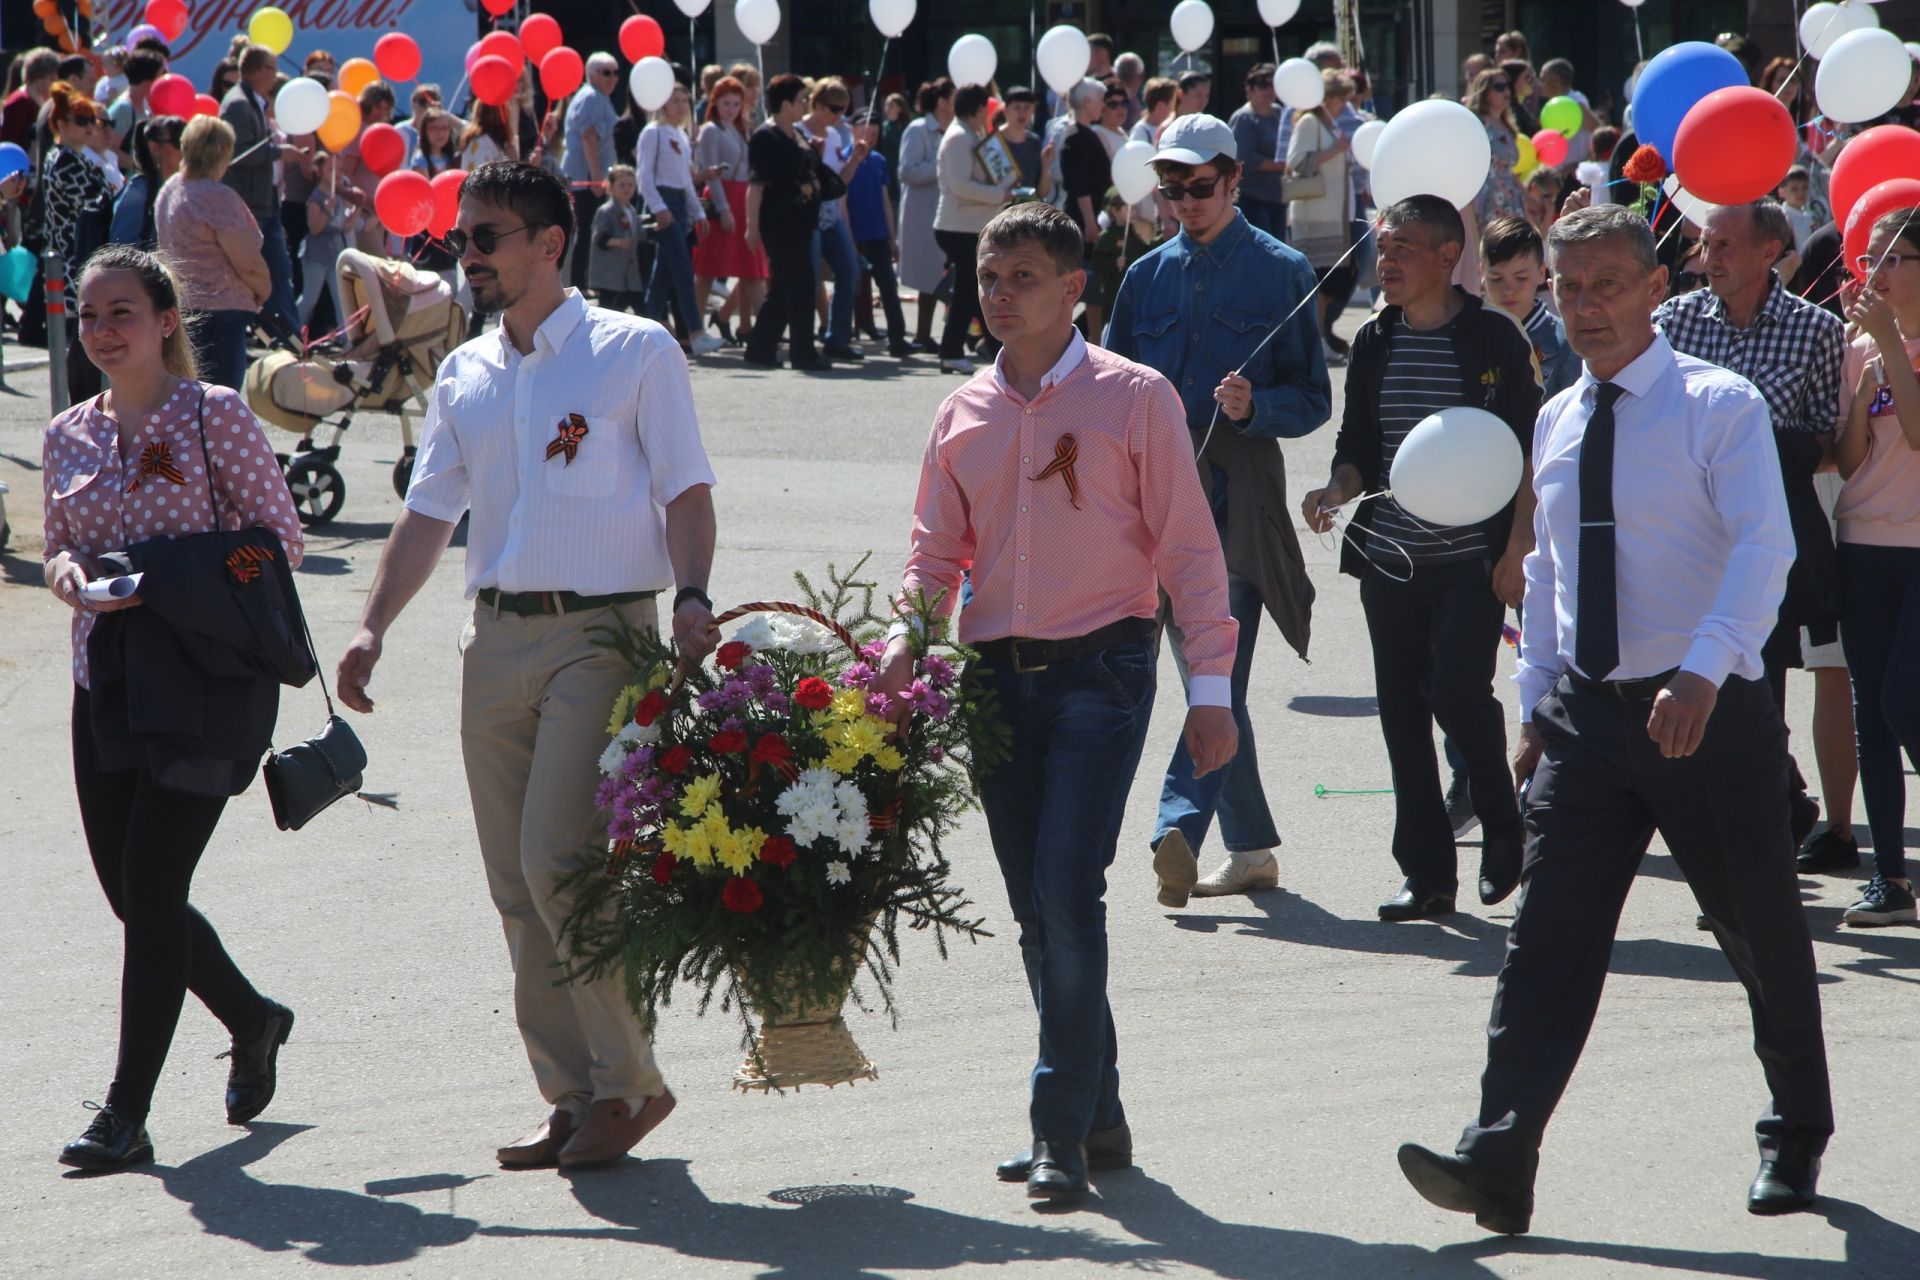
(789, 302)
(1435, 639)
(585, 204)
(1601, 791)
(961, 250)
(146, 842)
(878, 256)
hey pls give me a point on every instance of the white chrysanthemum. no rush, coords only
(838, 873)
(817, 778)
(813, 638)
(806, 827)
(613, 757)
(634, 734)
(756, 632)
(849, 797)
(853, 831)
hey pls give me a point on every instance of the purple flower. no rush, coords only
(936, 754)
(738, 691)
(878, 704)
(939, 706)
(873, 650)
(626, 798)
(938, 670)
(712, 700)
(603, 796)
(778, 703)
(916, 695)
(857, 676)
(655, 791)
(761, 679)
(637, 764)
(625, 826)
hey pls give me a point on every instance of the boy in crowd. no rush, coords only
(1512, 274)
(613, 272)
(1795, 190)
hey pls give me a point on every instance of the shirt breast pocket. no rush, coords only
(1158, 346)
(584, 464)
(1236, 332)
(71, 480)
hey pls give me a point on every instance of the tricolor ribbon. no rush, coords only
(573, 429)
(156, 460)
(1065, 452)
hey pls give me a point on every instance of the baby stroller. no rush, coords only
(402, 322)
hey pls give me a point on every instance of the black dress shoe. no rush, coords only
(1784, 1186)
(1059, 1171)
(1831, 850)
(1106, 1149)
(761, 362)
(809, 364)
(254, 1074)
(1500, 859)
(845, 353)
(1461, 1184)
(926, 346)
(901, 350)
(110, 1142)
(1416, 902)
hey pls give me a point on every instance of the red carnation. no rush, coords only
(742, 895)
(1645, 166)
(663, 868)
(728, 742)
(650, 708)
(778, 851)
(772, 749)
(814, 694)
(732, 654)
(677, 760)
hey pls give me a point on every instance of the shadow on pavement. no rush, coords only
(323, 1224)
(1334, 705)
(1875, 1248)
(22, 571)
(1885, 953)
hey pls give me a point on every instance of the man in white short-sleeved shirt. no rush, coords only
(568, 439)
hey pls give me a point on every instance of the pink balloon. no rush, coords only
(1551, 146)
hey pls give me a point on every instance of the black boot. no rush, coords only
(111, 1142)
(254, 1074)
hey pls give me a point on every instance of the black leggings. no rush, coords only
(961, 250)
(1336, 286)
(146, 841)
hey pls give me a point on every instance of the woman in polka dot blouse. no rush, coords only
(120, 469)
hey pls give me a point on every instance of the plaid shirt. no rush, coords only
(1791, 353)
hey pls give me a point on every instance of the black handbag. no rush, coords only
(307, 777)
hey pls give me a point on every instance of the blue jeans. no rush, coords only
(282, 305)
(1187, 802)
(1054, 809)
(1880, 633)
(835, 244)
(1269, 216)
(673, 267)
(220, 347)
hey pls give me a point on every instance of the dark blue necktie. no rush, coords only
(1596, 623)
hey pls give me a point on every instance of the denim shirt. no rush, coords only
(1196, 312)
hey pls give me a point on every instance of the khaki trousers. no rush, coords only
(535, 696)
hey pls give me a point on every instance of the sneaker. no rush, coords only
(705, 344)
(1334, 359)
(1831, 850)
(1882, 901)
(1174, 863)
(959, 364)
(1460, 814)
(1236, 875)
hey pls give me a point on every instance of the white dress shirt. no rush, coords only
(1701, 537)
(597, 524)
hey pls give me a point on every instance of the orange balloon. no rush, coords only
(45, 8)
(342, 125)
(356, 74)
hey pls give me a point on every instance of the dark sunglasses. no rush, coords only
(1174, 193)
(838, 108)
(1499, 84)
(1116, 102)
(1264, 82)
(484, 239)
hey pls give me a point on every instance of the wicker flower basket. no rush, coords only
(798, 1043)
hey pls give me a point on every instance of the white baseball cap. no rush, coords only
(1196, 139)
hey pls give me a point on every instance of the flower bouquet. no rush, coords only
(768, 832)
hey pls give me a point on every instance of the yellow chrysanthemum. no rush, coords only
(843, 760)
(699, 847)
(865, 736)
(658, 680)
(700, 793)
(714, 823)
(733, 853)
(674, 840)
(850, 704)
(889, 757)
(623, 708)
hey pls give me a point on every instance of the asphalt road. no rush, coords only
(1275, 1049)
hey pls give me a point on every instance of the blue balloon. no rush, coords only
(13, 159)
(1675, 79)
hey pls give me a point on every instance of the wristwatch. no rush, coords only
(692, 593)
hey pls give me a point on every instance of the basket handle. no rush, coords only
(840, 633)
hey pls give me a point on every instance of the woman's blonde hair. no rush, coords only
(206, 147)
(1334, 83)
(162, 287)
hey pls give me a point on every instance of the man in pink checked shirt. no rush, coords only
(1063, 477)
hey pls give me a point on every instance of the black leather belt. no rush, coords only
(1037, 655)
(535, 604)
(1642, 690)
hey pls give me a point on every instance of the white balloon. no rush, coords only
(1824, 23)
(758, 20)
(1913, 50)
(1132, 177)
(1299, 85)
(1436, 148)
(972, 60)
(1192, 24)
(1633, 4)
(1064, 56)
(1276, 13)
(1365, 139)
(692, 8)
(891, 17)
(1456, 467)
(1864, 74)
(301, 105)
(1691, 207)
(651, 83)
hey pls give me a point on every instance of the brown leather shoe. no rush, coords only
(612, 1129)
(541, 1148)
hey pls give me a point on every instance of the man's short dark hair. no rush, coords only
(1020, 93)
(1261, 71)
(782, 89)
(72, 68)
(533, 194)
(1440, 219)
(143, 66)
(41, 64)
(257, 58)
(932, 92)
(154, 44)
(1194, 79)
(969, 100)
(1507, 238)
(1039, 223)
(1101, 40)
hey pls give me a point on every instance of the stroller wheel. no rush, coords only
(403, 472)
(318, 489)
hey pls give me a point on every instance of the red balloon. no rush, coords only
(446, 201)
(494, 79)
(397, 55)
(383, 149)
(497, 44)
(1550, 145)
(1887, 151)
(404, 201)
(205, 104)
(561, 72)
(171, 95)
(1734, 145)
(539, 36)
(497, 8)
(168, 15)
(1879, 200)
(641, 37)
